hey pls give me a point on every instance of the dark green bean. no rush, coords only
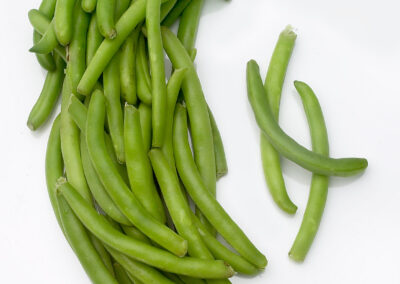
(285, 145)
(120, 274)
(63, 20)
(138, 250)
(173, 277)
(189, 23)
(145, 125)
(203, 198)
(89, 5)
(166, 8)
(47, 43)
(104, 255)
(174, 14)
(105, 14)
(94, 39)
(136, 234)
(121, 6)
(143, 73)
(48, 97)
(319, 184)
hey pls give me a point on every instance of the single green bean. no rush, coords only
(136, 234)
(174, 14)
(105, 13)
(138, 164)
(319, 184)
(45, 60)
(189, 24)
(128, 69)
(120, 7)
(143, 73)
(79, 240)
(94, 39)
(128, 21)
(157, 70)
(47, 43)
(166, 8)
(89, 5)
(48, 97)
(120, 274)
(145, 125)
(116, 187)
(177, 204)
(112, 91)
(204, 199)
(285, 145)
(47, 7)
(63, 20)
(273, 87)
(138, 250)
(104, 255)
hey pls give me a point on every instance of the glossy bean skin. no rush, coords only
(174, 14)
(285, 145)
(143, 73)
(273, 88)
(94, 39)
(105, 15)
(145, 125)
(89, 5)
(138, 164)
(138, 250)
(48, 97)
(47, 43)
(189, 23)
(319, 184)
(116, 187)
(63, 20)
(207, 203)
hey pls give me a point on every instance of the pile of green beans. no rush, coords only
(119, 169)
(265, 100)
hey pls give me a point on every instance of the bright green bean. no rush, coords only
(79, 240)
(89, 5)
(136, 234)
(138, 164)
(189, 24)
(157, 70)
(112, 91)
(45, 60)
(115, 186)
(48, 97)
(121, 168)
(63, 20)
(166, 8)
(204, 199)
(174, 14)
(128, 21)
(47, 7)
(273, 88)
(145, 125)
(285, 145)
(121, 6)
(47, 43)
(105, 14)
(177, 204)
(319, 184)
(94, 39)
(120, 274)
(104, 255)
(138, 250)
(143, 73)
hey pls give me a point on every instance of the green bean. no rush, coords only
(89, 5)
(204, 199)
(47, 43)
(143, 73)
(48, 97)
(190, 280)
(145, 125)
(45, 60)
(173, 277)
(79, 240)
(221, 166)
(157, 70)
(120, 274)
(136, 234)
(166, 8)
(192, 53)
(63, 20)
(94, 39)
(128, 21)
(112, 89)
(105, 14)
(177, 204)
(139, 168)
(121, 168)
(115, 186)
(319, 184)
(70, 145)
(127, 68)
(238, 263)
(173, 87)
(138, 250)
(54, 166)
(121, 6)
(285, 145)
(189, 23)
(104, 255)
(174, 14)
(273, 88)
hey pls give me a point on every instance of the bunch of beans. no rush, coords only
(122, 167)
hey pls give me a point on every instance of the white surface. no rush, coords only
(348, 51)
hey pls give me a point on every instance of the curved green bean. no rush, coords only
(177, 204)
(138, 164)
(136, 234)
(94, 39)
(104, 255)
(204, 199)
(273, 88)
(47, 43)
(174, 14)
(128, 21)
(189, 23)
(145, 125)
(285, 145)
(166, 8)
(115, 186)
(47, 7)
(157, 70)
(45, 60)
(120, 274)
(138, 250)
(143, 73)
(319, 184)
(48, 97)
(105, 14)
(89, 5)
(63, 20)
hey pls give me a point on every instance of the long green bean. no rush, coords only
(63, 20)
(285, 145)
(120, 274)
(105, 14)
(47, 43)
(166, 8)
(143, 73)
(145, 125)
(174, 14)
(102, 252)
(94, 39)
(189, 23)
(319, 184)
(89, 5)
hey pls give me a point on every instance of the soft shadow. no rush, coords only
(213, 6)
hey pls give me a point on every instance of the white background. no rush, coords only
(348, 51)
